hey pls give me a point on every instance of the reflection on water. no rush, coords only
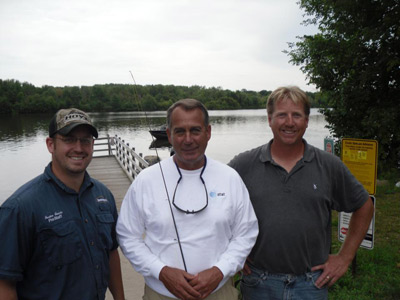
(18, 128)
(157, 143)
(24, 155)
(114, 122)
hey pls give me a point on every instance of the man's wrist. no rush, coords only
(218, 273)
(162, 271)
(346, 257)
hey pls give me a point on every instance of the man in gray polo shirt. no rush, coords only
(293, 187)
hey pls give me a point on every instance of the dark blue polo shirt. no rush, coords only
(56, 242)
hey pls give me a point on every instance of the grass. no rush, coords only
(377, 274)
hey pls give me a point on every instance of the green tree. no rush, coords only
(26, 98)
(354, 60)
(148, 103)
(5, 105)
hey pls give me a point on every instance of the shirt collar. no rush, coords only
(265, 155)
(49, 175)
(309, 152)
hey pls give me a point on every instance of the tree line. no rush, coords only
(23, 98)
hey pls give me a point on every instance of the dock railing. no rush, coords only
(130, 161)
(103, 146)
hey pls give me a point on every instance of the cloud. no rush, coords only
(235, 44)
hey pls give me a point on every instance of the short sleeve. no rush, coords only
(16, 243)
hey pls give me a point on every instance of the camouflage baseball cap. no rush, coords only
(67, 119)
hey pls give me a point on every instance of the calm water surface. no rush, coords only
(23, 152)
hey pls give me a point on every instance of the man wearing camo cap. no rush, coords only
(59, 228)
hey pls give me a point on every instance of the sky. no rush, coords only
(232, 44)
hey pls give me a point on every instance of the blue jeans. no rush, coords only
(260, 285)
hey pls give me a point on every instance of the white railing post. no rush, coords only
(131, 162)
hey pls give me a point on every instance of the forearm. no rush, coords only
(245, 232)
(139, 255)
(358, 227)
(115, 283)
(337, 265)
(7, 290)
(131, 231)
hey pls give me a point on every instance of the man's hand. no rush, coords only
(207, 281)
(8, 290)
(337, 265)
(334, 268)
(177, 282)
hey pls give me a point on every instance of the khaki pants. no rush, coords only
(226, 292)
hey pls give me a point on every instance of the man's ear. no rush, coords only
(169, 136)
(208, 129)
(50, 143)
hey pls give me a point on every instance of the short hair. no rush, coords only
(188, 104)
(293, 93)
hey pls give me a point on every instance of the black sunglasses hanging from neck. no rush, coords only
(187, 211)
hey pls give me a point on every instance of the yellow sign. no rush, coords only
(360, 156)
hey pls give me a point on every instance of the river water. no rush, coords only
(23, 152)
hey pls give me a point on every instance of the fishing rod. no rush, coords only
(161, 169)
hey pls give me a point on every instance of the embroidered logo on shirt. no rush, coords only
(100, 199)
(54, 217)
(213, 194)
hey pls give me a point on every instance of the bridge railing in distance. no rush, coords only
(104, 146)
(131, 162)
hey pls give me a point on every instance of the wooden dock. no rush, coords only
(117, 169)
(108, 171)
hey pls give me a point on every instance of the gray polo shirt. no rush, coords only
(294, 209)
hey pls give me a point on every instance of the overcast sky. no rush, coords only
(233, 44)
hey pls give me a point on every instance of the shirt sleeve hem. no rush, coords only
(10, 276)
(224, 268)
(156, 268)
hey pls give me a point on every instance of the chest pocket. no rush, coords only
(105, 224)
(61, 244)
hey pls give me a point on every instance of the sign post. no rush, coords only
(329, 145)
